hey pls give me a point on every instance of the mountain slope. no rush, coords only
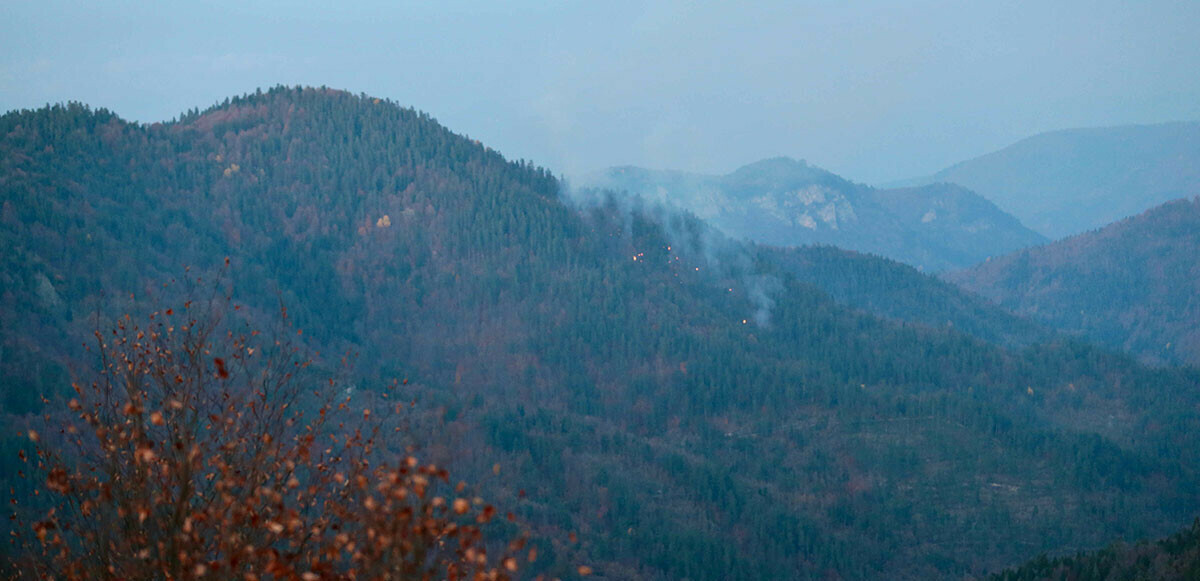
(784, 202)
(1176, 558)
(1132, 285)
(688, 405)
(897, 291)
(1066, 182)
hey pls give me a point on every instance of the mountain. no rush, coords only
(1066, 182)
(1132, 285)
(896, 291)
(784, 202)
(1175, 558)
(690, 406)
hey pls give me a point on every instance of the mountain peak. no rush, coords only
(778, 167)
(778, 173)
(788, 202)
(777, 163)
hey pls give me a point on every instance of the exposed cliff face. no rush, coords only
(784, 202)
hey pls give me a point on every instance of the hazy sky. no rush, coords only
(875, 91)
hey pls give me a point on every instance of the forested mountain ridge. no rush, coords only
(897, 291)
(1066, 182)
(1132, 285)
(1175, 558)
(690, 406)
(784, 202)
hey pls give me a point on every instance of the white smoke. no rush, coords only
(722, 258)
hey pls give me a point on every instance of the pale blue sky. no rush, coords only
(872, 90)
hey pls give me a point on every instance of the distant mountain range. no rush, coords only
(1066, 182)
(1133, 285)
(785, 202)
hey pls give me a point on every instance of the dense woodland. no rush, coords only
(897, 291)
(1175, 558)
(689, 406)
(1132, 285)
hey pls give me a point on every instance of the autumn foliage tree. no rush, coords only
(204, 451)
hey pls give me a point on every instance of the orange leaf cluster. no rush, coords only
(179, 473)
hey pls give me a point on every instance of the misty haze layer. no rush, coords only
(1067, 182)
(874, 91)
